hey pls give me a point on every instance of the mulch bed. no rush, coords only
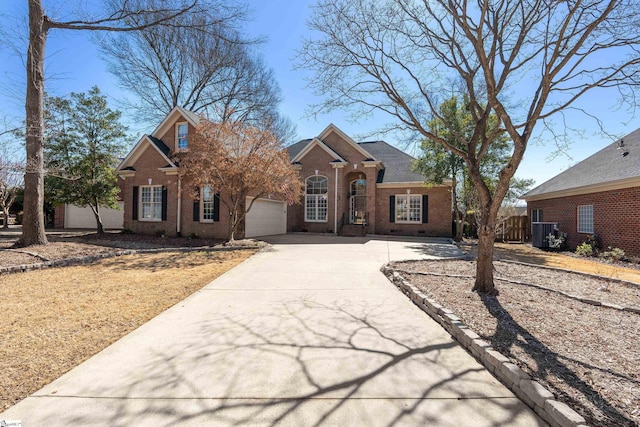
(587, 355)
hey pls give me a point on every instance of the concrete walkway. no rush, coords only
(308, 332)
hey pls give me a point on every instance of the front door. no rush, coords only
(358, 201)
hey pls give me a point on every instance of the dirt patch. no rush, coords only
(586, 355)
(76, 245)
(54, 319)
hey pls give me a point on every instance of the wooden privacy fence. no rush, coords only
(513, 229)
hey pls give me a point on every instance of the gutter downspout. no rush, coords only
(335, 206)
(178, 219)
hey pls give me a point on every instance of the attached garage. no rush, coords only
(77, 217)
(265, 218)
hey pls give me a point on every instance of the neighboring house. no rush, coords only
(350, 186)
(157, 201)
(600, 195)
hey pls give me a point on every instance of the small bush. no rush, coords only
(585, 250)
(557, 242)
(615, 254)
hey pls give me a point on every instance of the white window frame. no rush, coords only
(406, 199)
(152, 203)
(315, 199)
(538, 215)
(585, 219)
(178, 125)
(204, 203)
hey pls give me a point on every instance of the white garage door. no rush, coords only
(265, 218)
(77, 217)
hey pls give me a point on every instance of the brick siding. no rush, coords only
(616, 217)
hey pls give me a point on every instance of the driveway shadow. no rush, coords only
(319, 364)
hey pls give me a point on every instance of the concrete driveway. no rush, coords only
(307, 332)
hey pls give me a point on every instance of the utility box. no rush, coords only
(540, 231)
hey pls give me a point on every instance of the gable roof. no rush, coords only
(333, 128)
(191, 117)
(609, 168)
(136, 152)
(396, 163)
(315, 142)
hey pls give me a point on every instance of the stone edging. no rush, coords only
(538, 398)
(92, 258)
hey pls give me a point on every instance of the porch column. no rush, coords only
(371, 174)
(338, 187)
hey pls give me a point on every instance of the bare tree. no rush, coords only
(168, 66)
(119, 15)
(11, 172)
(217, 73)
(238, 160)
(522, 61)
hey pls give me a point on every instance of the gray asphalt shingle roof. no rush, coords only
(397, 164)
(161, 145)
(607, 165)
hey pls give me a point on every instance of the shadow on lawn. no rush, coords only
(509, 334)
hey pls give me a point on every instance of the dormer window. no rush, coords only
(182, 136)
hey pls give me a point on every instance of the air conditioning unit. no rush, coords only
(540, 231)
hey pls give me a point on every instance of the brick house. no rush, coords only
(349, 188)
(369, 187)
(600, 195)
(158, 201)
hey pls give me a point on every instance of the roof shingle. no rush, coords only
(607, 165)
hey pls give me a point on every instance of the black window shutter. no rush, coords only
(164, 203)
(196, 211)
(216, 207)
(134, 213)
(196, 206)
(392, 208)
(425, 209)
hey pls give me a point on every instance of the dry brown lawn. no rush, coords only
(54, 319)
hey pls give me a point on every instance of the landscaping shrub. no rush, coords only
(585, 249)
(557, 242)
(615, 254)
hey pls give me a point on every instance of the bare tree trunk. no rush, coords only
(5, 213)
(456, 210)
(484, 262)
(33, 232)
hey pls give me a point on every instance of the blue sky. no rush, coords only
(73, 65)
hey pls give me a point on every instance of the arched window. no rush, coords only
(315, 205)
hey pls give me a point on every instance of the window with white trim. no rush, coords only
(316, 201)
(409, 208)
(536, 215)
(182, 135)
(150, 203)
(585, 219)
(207, 203)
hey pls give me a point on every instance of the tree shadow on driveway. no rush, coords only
(316, 363)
